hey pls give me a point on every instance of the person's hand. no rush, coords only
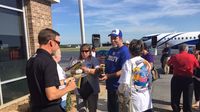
(103, 77)
(85, 69)
(67, 80)
(71, 85)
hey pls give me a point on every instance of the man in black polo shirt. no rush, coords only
(42, 75)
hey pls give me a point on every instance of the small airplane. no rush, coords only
(173, 39)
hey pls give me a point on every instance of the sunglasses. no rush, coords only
(85, 51)
(57, 42)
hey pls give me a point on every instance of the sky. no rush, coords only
(135, 18)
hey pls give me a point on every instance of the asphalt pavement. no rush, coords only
(160, 93)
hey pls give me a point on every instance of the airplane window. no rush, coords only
(194, 37)
(186, 37)
(178, 38)
(145, 38)
(190, 37)
(174, 38)
(182, 38)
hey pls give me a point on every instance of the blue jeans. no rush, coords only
(113, 104)
(63, 104)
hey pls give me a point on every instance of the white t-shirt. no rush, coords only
(61, 75)
(141, 100)
(93, 53)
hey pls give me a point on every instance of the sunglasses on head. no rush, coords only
(84, 50)
(57, 42)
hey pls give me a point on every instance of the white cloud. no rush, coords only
(132, 16)
(104, 13)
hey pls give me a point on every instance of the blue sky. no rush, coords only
(135, 18)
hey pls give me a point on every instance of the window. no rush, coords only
(13, 55)
(12, 3)
(14, 90)
(13, 48)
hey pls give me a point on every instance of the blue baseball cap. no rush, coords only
(116, 33)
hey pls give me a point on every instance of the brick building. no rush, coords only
(20, 23)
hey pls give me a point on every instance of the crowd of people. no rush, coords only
(127, 75)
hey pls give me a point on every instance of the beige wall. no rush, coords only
(38, 16)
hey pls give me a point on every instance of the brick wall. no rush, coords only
(38, 16)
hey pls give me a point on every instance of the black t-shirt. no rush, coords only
(167, 52)
(41, 72)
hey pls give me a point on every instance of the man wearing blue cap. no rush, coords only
(117, 56)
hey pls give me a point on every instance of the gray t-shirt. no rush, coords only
(93, 78)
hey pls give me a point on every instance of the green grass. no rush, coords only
(70, 49)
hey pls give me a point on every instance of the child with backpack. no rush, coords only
(134, 89)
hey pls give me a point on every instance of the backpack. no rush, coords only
(140, 76)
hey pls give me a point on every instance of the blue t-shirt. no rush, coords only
(114, 62)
